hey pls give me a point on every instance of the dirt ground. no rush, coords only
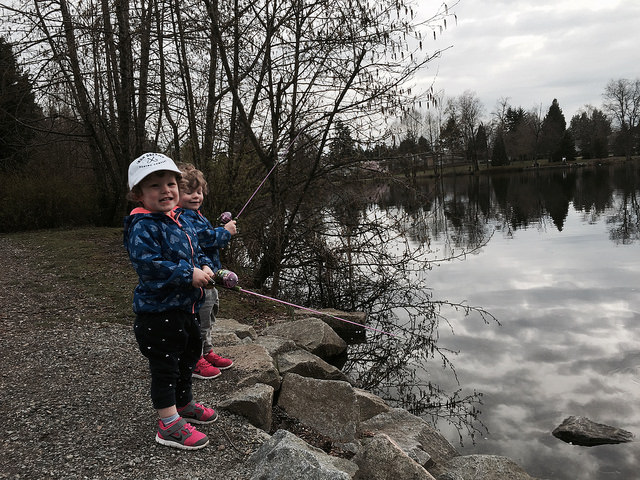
(74, 400)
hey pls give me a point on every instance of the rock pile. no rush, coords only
(286, 367)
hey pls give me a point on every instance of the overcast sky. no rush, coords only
(535, 51)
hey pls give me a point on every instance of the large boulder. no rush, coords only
(255, 403)
(483, 467)
(227, 325)
(311, 334)
(276, 345)
(285, 456)
(582, 431)
(327, 406)
(369, 405)
(351, 325)
(414, 436)
(380, 458)
(253, 364)
(307, 364)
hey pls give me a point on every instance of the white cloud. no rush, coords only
(533, 52)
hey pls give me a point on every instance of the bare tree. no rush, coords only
(318, 63)
(465, 112)
(471, 111)
(622, 102)
(233, 86)
(500, 113)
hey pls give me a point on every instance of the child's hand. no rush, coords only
(200, 278)
(231, 227)
(207, 270)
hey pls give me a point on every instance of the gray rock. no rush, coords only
(276, 345)
(307, 364)
(342, 328)
(311, 334)
(369, 404)
(327, 406)
(254, 403)
(254, 365)
(285, 456)
(229, 325)
(414, 436)
(483, 467)
(582, 431)
(380, 458)
(224, 338)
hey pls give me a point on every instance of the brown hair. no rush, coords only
(192, 178)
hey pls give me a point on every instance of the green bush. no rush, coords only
(30, 201)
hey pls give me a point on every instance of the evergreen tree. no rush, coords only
(482, 144)
(591, 129)
(423, 145)
(553, 128)
(499, 151)
(342, 149)
(519, 135)
(18, 110)
(568, 146)
(451, 137)
(514, 118)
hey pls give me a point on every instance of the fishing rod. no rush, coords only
(226, 217)
(229, 280)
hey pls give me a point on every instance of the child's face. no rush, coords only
(160, 192)
(191, 199)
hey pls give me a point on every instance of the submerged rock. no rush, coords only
(582, 431)
(483, 467)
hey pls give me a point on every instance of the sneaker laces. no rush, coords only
(190, 428)
(202, 411)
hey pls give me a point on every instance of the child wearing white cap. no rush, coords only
(172, 273)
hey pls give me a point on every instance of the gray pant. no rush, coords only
(208, 312)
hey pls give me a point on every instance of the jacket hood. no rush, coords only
(138, 214)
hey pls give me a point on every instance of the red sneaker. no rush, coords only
(196, 413)
(205, 370)
(217, 361)
(180, 434)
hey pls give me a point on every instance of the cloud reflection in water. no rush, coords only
(569, 344)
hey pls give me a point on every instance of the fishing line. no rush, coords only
(229, 280)
(283, 155)
(312, 310)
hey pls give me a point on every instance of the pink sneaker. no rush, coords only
(180, 434)
(205, 370)
(196, 413)
(218, 361)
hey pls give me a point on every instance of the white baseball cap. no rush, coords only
(148, 163)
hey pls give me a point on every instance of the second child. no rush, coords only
(193, 188)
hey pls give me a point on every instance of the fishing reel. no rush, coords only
(224, 278)
(224, 218)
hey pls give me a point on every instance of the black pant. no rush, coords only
(171, 341)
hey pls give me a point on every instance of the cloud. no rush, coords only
(533, 52)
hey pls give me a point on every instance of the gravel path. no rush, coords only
(74, 400)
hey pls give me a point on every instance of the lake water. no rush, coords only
(561, 273)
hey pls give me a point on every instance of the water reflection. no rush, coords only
(464, 210)
(561, 273)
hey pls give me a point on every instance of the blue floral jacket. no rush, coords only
(163, 251)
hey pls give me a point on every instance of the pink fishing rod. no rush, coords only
(228, 216)
(229, 280)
